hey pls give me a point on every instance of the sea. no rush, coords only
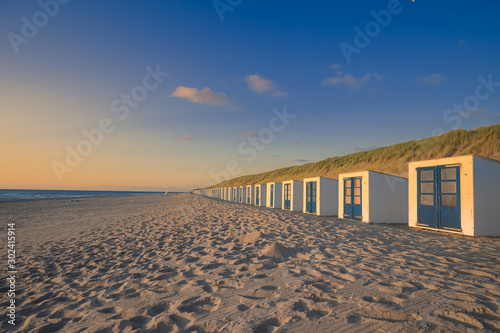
(38, 194)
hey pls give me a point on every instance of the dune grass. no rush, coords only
(484, 141)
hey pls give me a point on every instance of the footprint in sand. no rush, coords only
(262, 293)
(393, 316)
(162, 326)
(137, 323)
(109, 310)
(157, 309)
(208, 289)
(178, 321)
(227, 283)
(242, 307)
(196, 305)
(53, 327)
(300, 306)
(268, 325)
(352, 318)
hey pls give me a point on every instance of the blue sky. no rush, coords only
(225, 77)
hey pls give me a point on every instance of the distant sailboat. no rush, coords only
(166, 191)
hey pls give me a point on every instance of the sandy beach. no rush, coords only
(182, 263)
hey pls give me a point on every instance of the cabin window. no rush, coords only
(426, 188)
(449, 200)
(426, 199)
(449, 187)
(427, 175)
(448, 174)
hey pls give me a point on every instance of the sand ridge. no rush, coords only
(182, 263)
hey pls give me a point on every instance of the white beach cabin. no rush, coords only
(371, 196)
(260, 195)
(250, 194)
(458, 194)
(273, 197)
(243, 192)
(236, 193)
(226, 194)
(292, 195)
(321, 196)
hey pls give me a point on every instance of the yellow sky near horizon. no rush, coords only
(44, 123)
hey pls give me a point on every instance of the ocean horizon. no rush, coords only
(40, 194)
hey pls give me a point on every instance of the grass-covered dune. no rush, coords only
(484, 141)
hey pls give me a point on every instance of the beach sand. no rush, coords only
(184, 263)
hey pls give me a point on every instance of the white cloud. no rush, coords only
(351, 81)
(301, 160)
(467, 113)
(334, 66)
(261, 85)
(377, 76)
(204, 96)
(279, 94)
(433, 79)
(186, 137)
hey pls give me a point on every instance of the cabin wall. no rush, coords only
(243, 194)
(388, 198)
(297, 196)
(328, 198)
(250, 195)
(277, 195)
(262, 195)
(486, 178)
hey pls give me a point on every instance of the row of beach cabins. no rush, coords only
(458, 194)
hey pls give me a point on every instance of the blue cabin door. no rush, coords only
(311, 197)
(271, 195)
(287, 194)
(439, 197)
(257, 199)
(249, 195)
(352, 199)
